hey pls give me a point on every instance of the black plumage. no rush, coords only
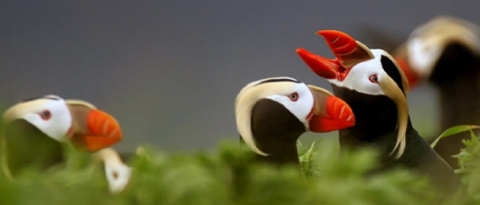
(375, 88)
(28, 148)
(456, 75)
(376, 127)
(276, 132)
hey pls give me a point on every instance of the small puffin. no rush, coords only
(446, 52)
(34, 129)
(272, 113)
(117, 173)
(373, 85)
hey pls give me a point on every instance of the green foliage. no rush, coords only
(228, 175)
(469, 161)
(306, 156)
(453, 130)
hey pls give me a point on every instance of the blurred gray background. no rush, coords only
(170, 70)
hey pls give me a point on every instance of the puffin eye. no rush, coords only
(293, 97)
(373, 78)
(45, 115)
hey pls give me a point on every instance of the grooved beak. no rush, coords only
(348, 51)
(324, 67)
(329, 112)
(340, 43)
(98, 131)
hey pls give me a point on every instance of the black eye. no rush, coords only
(293, 97)
(373, 78)
(45, 115)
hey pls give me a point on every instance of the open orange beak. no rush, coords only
(348, 51)
(94, 129)
(329, 112)
(323, 67)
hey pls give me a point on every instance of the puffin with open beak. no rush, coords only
(35, 128)
(272, 113)
(373, 85)
(446, 52)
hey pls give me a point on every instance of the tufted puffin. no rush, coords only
(34, 129)
(272, 113)
(373, 85)
(445, 51)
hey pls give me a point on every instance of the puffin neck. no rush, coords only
(375, 119)
(276, 131)
(457, 77)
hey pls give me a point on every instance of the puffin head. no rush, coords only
(50, 114)
(61, 120)
(289, 106)
(367, 71)
(428, 42)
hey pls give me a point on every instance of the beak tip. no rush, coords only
(338, 116)
(323, 67)
(303, 53)
(330, 35)
(298, 50)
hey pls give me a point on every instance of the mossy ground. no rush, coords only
(226, 175)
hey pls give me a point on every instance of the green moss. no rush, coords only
(227, 175)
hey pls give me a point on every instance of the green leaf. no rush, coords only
(454, 130)
(306, 158)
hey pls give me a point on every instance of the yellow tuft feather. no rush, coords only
(390, 88)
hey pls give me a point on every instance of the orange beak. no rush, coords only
(329, 112)
(348, 51)
(412, 77)
(323, 67)
(100, 130)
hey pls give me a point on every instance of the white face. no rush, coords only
(364, 77)
(294, 96)
(422, 54)
(297, 99)
(49, 114)
(427, 42)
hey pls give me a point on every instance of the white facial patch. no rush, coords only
(301, 107)
(427, 42)
(423, 54)
(55, 126)
(277, 89)
(358, 78)
(117, 173)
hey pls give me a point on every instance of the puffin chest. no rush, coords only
(27, 146)
(274, 124)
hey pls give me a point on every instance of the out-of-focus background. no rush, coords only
(170, 70)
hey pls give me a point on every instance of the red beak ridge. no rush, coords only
(324, 67)
(339, 116)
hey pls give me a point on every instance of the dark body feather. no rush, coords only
(456, 75)
(376, 122)
(29, 148)
(276, 131)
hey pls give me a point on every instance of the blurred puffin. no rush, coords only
(373, 85)
(117, 173)
(272, 113)
(35, 128)
(446, 52)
